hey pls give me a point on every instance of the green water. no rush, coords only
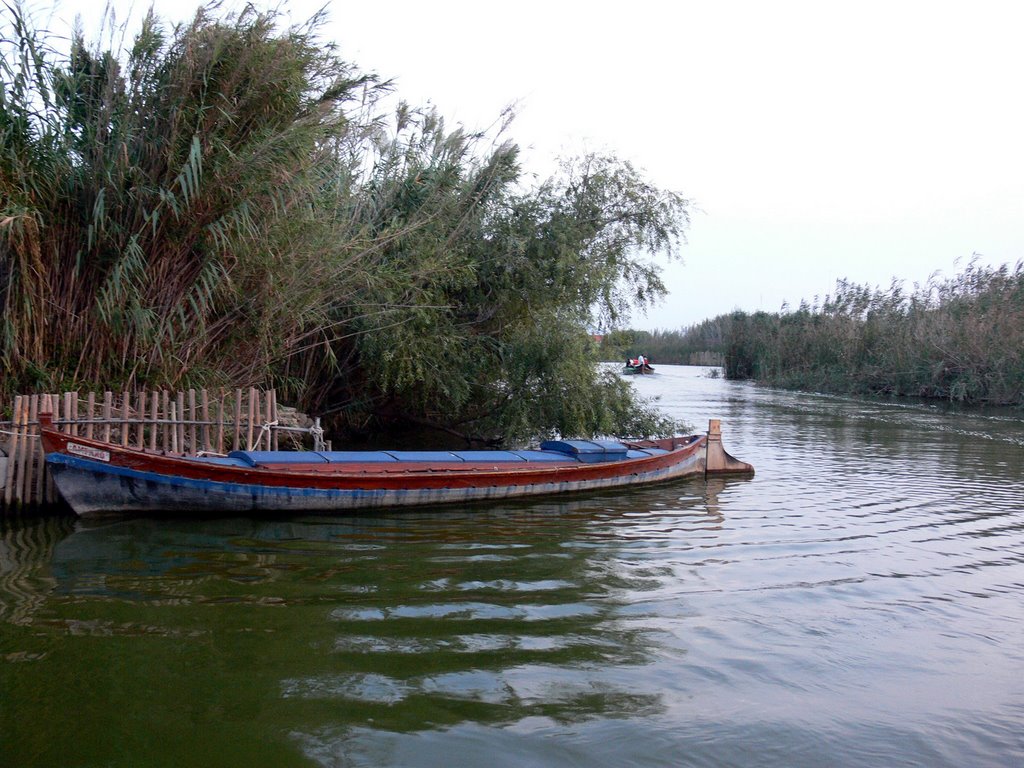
(856, 603)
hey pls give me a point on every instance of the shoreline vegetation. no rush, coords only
(229, 203)
(959, 339)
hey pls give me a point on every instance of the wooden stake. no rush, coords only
(174, 430)
(108, 409)
(154, 408)
(51, 487)
(220, 423)
(125, 400)
(69, 428)
(12, 456)
(41, 475)
(252, 418)
(90, 414)
(192, 419)
(179, 426)
(167, 418)
(269, 420)
(140, 435)
(205, 431)
(237, 439)
(32, 444)
(273, 419)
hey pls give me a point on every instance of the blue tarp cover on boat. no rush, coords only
(639, 453)
(588, 451)
(544, 456)
(224, 461)
(488, 456)
(254, 458)
(339, 457)
(433, 457)
(427, 456)
(552, 450)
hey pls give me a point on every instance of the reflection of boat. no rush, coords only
(95, 477)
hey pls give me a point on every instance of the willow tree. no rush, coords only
(483, 331)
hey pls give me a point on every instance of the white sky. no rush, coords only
(819, 140)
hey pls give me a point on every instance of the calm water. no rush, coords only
(860, 602)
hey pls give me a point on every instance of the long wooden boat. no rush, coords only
(96, 477)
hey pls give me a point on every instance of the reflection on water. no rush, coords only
(858, 602)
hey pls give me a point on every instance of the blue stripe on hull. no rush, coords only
(92, 487)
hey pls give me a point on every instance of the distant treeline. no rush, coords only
(959, 339)
(229, 203)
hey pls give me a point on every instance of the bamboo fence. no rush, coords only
(190, 423)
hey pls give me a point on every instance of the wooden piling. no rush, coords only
(192, 445)
(220, 423)
(272, 419)
(90, 414)
(42, 476)
(174, 428)
(12, 456)
(51, 487)
(68, 400)
(125, 399)
(249, 446)
(178, 417)
(140, 420)
(108, 409)
(154, 409)
(167, 417)
(236, 440)
(32, 447)
(204, 400)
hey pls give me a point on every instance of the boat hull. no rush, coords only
(98, 478)
(92, 488)
(638, 370)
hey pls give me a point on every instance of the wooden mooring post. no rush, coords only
(190, 423)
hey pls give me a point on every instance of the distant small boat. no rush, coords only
(637, 366)
(95, 477)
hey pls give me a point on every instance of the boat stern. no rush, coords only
(717, 460)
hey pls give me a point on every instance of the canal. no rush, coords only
(859, 602)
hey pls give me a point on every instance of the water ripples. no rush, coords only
(856, 603)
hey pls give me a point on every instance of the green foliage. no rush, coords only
(959, 339)
(487, 291)
(224, 203)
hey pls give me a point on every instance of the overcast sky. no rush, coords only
(817, 140)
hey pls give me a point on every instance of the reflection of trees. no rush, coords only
(26, 551)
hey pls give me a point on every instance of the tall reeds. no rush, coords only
(149, 203)
(959, 339)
